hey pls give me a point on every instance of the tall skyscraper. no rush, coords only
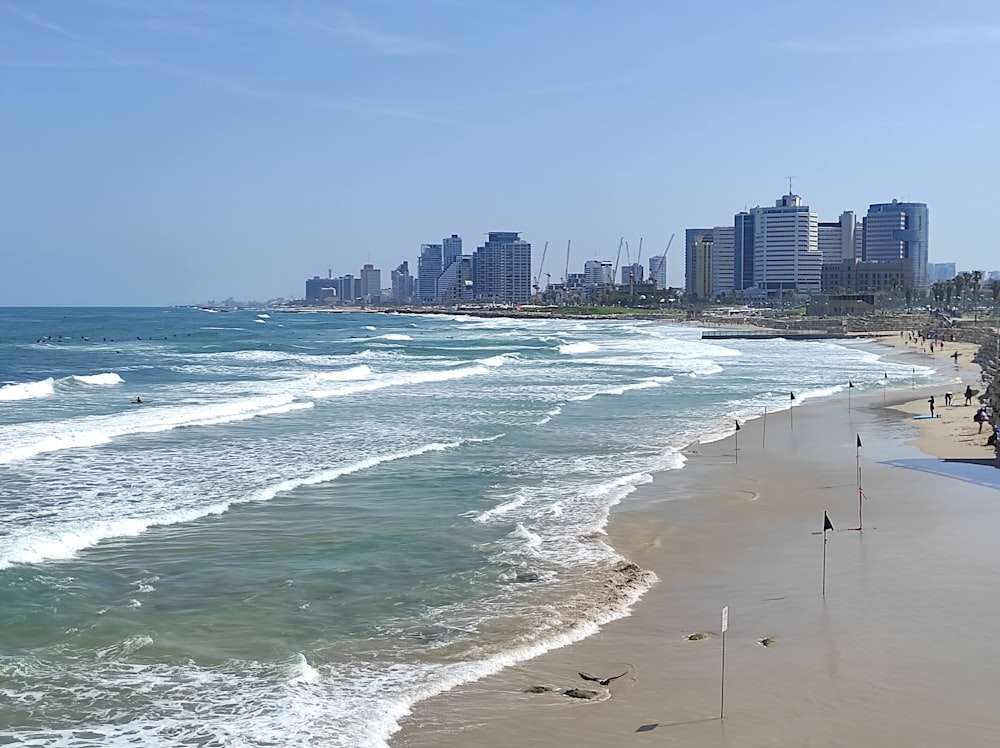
(501, 269)
(598, 274)
(786, 247)
(402, 284)
(455, 284)
(698, 263)
(723, 260)
(371, 284)
(452, 249)
(631, 274)
(658, 271)
(837, 239)
(429, 268)
(742, 251)
(898, 231)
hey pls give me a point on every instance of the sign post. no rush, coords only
(722, 698)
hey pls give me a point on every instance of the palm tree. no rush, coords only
(938, 292)
(976, 282)
(959, 282)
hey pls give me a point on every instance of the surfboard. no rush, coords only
(927, 416)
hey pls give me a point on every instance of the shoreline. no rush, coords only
(711, 533)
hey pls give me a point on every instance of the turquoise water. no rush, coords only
(314, 520)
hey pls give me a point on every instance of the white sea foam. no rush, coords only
(27, 390)
(645, 384)
(59, 542)
(508, 506)
(100, 379)
(571, 349)
(495, 361)
(302, 672)
(23, 441)
(392, 336)
(326, 476)
(344, 375)
(402, 379)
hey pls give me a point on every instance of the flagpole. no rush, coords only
(763, 433)
(791, 410)
(885, 385)
(722, 695)
(850, 386)
(737, 437)
(826, 525)
(857, 460)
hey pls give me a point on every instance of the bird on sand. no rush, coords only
(602, 681)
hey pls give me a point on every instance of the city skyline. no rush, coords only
(177, 151)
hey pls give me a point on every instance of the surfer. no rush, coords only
(137, 399)
(969, 392)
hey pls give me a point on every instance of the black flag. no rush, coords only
(850, 385)
(827, 524)
(737, 425)
(859, 441)
(792, 394)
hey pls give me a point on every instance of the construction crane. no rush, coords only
(614, 274)
(540, 266)
(566, 274)
(663, 262)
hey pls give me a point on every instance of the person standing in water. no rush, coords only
(930, 402)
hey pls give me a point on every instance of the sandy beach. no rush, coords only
(898, 651)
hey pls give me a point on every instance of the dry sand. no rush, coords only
(899, 651)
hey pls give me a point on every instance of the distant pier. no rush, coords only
(761, 334)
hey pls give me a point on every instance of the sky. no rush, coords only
(157, 152)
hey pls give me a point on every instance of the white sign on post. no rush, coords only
(725, 619)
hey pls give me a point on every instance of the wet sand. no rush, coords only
(899, 650)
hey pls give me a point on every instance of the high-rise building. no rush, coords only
(898, 231)
(321, 290)
(938, 272)
(402, 284)
(452, 250)
(631, 274)
(658, 271)
(723, 260)
(371, 284)
(837, 239)
(429, 269)
(501, 269)
(598, 274)
(786, 247)
(455, 284)
(742, 251)
(698, 263)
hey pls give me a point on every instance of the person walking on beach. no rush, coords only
(947, 399)
(968, 394)
(930, 401)
(980, 418)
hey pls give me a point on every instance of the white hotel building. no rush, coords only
(786, 247)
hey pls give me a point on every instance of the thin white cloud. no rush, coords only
(170, 26)
(346, 25)
(899, 41)
(38, 21)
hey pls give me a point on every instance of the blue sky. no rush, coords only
(175, 151)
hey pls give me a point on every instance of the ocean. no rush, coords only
(315, 520)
